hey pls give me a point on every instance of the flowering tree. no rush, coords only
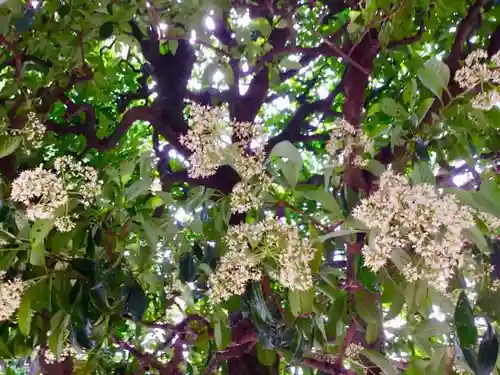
(249, 187)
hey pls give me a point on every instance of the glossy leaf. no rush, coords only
(488, 352)
(464, 323)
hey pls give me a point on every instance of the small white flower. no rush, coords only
(40, 191)
(10, 296)
(67, 352)
(348, 139)
(416, 219)
(65, 223)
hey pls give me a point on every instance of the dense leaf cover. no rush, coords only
(249, 187)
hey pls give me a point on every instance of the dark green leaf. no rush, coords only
(422, 174)
(106, 30)
(488, 352)
(137, 302)
(265, 356)
(464, 323)
(187, 268)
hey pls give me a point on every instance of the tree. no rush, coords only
(249, 187)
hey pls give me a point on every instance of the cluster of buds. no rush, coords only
(11, 293)
(43, 192)
(214, 140)
(31, 134)
(418, 220)
(346, 139)
(479, 70)
(249, 245)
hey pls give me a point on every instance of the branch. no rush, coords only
(209, 96)
(224, 180)
(143, 358)
(410, 39)
(471, 22)
(328, 368)
(292, 130)
(88, 128)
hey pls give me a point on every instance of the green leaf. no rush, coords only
(106, 30)
(338, 233)
(392, 108)
(58, 326)
(261, 24)
(464, 323)
(265, 356)
(439, 361)
(375, 167)
(137, 189)
(290, 64)
(329, 290)
(325, 198)
(137, 302)
(127, 168)
(380, 361)
(173, 44)
(25, 313)
(187, 268)
(8, 145)
(287, 150)
(259, 304)
(366, 308)
(478, 239)
(434, 75)
(294, 300)
(423, 108)
(221, 332)
(151, 232)
(372, 330)
(39, 231)
(422, 174)
(488, 352)
(397, 303)
(291, 172)
(282, 24)
(301, 302)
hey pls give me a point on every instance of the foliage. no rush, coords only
(250, 131)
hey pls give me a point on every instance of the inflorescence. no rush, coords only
(419, 220)
(479, 70)
(249, 245)
(215, 140)
(43, 191)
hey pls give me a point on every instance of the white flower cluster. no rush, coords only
(353, 351)
(214, 140)
(419, 220)
(325, 357)
(42, 191)
(79, 178)
(32, 133)
(478, 69)
(65, 223)
(486, 100)
(10, 296)
(34, 130)
(173, 285)
(347, 138)
(208, 138)
(67, 352)
(491, 221)
(235, 270)
(495, 285)
(249, 244)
